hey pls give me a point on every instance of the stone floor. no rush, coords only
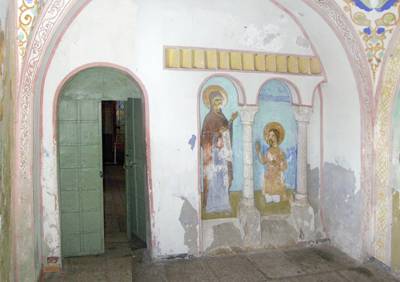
(114, 200)
(323, 263)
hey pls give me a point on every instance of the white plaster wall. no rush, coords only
(341, 124)
(133, 35)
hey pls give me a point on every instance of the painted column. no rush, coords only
(249, 216)
(302, 115)
(247, 114)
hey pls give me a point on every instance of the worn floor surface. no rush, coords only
(324, 264)
(306, 264)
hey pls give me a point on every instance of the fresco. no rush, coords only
(221, 149)
(396, 144)
(275, 140)
(27, 12)
(274, 160)
(375, 21)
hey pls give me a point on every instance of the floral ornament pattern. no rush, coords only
(27, 12)
(376, 20)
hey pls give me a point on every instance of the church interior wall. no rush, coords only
(341, 137)
(334, 148)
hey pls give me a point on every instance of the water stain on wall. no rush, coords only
(342, 207)
(189, 221)
(226, 235)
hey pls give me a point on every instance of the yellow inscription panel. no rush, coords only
(260, 62)
(224, 60)
(236, 60)
(304, 65)
(248, 61)
(270, 63)
(172, 56)
(315, 66)
(199, 59)
(281, 63)
(186, 59)
(213, 59)
(293, 64)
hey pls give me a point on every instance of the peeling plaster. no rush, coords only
(313, 187)
(278, 233)
(342, 206)
(189, 220)
(226, 235)
(303, 42)
(265, 37)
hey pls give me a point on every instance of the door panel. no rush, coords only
(129, 171)
(135, 163)
(81, 185)
(140, 167)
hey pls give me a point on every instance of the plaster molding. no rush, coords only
(340, 24)
(302, 113)
(22, 180)
(383, 150)
(247, 114)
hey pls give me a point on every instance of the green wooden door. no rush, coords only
(80, 176)
(135, 165)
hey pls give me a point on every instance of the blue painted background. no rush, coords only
(275, 105)
(237, 144)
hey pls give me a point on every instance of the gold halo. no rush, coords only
(214, 88)
(277, 126)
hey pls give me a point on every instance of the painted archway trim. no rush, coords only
(389, 86)
(22, 191)
(333, 15)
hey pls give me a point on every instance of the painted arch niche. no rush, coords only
(221, 153)
(275, 151)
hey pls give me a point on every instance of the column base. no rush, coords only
(302, 218)
(301, 199)
(250, 221)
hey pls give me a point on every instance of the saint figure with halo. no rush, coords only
(216, 145)
(275, 163)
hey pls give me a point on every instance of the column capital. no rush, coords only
(247, 113)
(302, 113)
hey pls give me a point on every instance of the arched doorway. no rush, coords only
(101, 161)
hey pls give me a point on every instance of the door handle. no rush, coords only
(101, 173)
(129, 163)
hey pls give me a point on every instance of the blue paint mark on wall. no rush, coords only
(192, 142)
(237, 143)
(275, 105)
(369, 6)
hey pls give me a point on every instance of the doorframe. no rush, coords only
(150, 239)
